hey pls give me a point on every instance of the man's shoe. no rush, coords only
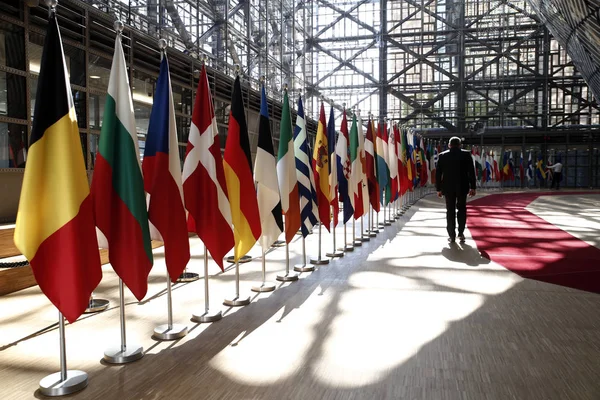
(451, 240)
(461, 237)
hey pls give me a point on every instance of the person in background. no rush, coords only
(455, 179)
(556, 169)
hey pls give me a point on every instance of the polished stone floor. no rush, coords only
(405, 316)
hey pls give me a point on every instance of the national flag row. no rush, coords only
(490, 166)
(225, 200)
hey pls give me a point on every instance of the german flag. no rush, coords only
(238, 175)
(55, 225)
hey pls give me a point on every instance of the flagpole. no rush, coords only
(319, 260)
(208, 316)
(303, 267)
(289, 276)
(96, 305)
(347, 246)
(170, 331)
(66, 381)
(124, 353)
(334, 252)
(237, 301)
(355, 241)
(264, 286)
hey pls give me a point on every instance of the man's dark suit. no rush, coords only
(455, 176)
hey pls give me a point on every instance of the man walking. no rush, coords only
(455, 179)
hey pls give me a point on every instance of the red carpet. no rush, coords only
(524, 243)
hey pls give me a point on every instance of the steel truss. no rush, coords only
(448, 66)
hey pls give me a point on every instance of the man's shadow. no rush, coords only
(463, 253)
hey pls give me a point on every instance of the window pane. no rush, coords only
(93, 150)
(142, 117)
(80, 108)
(13, 140)
(12, 96)
(12, 46)
(96, 110)
(99, 68)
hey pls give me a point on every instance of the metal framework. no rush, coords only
(487, 70)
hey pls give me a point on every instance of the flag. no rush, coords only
(505, 168)
(238, 175)
(333, 178)
(511, 164)
(434, 161)
(356, 170)
(265, 176)
(381, 155)
(393, 164)
(162, 178)
(497, 173)
(478, 164)
(321, 171)
(408, 162)
(529, 168)
(118, 187)
(373, 185)
(488, 167)
(286, 173)
(521, 168)
(344, 170)
(55, 223)
(540, 170)
(424, 164)
(308, 206)
(402, 167)
(364, 192)
(204, 186)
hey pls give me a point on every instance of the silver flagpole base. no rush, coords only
(162, 332)
(244, 259)
(367, 236)
(263, 287)
(279, 243)
(96, 305)
(373, 233)
(316, 261)
(388, 222)
(334, 254)
(188, 277)
(237, 301)
(348, 247)
(358, 242)
(53, 386)
(115, 355)
(288, 277)
(304, 268)
(208, 316)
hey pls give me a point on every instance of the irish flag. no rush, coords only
(118, 186)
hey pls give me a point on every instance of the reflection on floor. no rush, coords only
(405, 316)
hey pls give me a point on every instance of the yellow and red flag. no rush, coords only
(321, 171)
(55, 223)
(238, 175)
